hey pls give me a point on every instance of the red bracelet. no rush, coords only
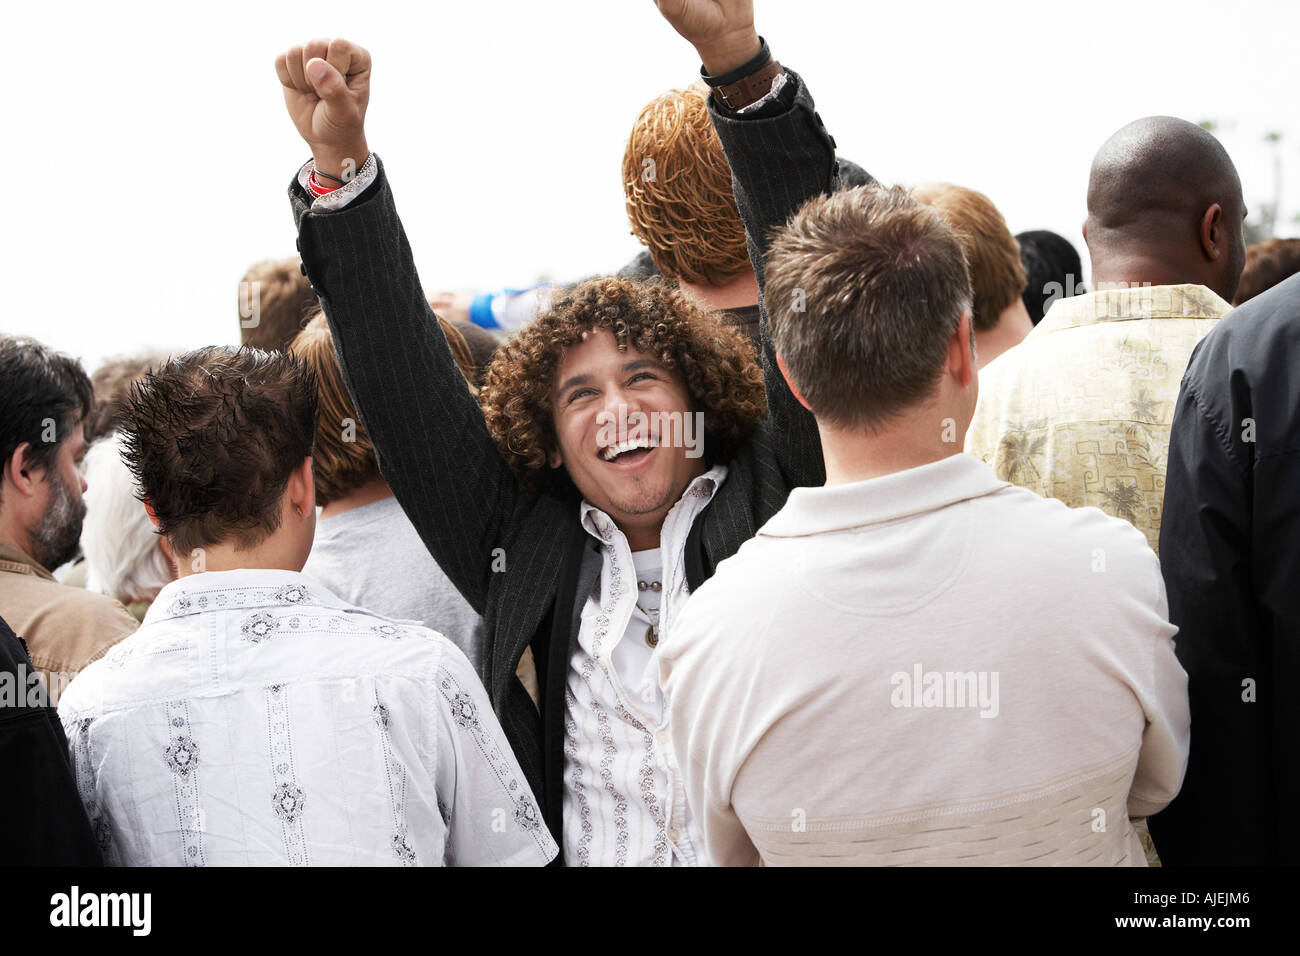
(315, 188)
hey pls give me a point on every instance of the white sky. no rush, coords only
(151, 148)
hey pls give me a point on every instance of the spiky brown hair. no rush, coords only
(212, 437)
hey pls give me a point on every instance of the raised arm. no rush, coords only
(780, 156)
(433, 447)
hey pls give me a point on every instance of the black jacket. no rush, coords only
(1230, 552)
(44, 821)
(435, 451)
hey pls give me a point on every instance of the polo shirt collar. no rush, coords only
(903, 494)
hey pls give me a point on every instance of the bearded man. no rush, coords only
(45, 399)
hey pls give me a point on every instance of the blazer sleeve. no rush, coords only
(780, 156)
(432, 443)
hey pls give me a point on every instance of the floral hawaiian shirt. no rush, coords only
(1080, 410)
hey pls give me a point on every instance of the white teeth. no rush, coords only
(613, 451)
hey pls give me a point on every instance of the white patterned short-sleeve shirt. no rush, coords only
(256, 719)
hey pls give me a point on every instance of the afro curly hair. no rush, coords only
(716, 363)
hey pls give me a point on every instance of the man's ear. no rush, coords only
(555, 459)
(165, 547)
(1211, 232)
(961, 350)
(19, 470)
(148, 509)
(794, 390)
(302, 488)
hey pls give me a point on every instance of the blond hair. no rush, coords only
(678, 189)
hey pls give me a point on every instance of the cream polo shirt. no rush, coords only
(932, 667)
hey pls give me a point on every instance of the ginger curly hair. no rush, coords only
(677, 186)
(716, 363)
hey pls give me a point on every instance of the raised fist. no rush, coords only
(722, 31)
(326, 89)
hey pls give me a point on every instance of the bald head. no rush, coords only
(1165, 206)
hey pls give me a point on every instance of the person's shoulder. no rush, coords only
(1002, 380)
(1241, 378)
(1256, 335)
(398, 646)
(136, 666)
(84, 624)
(738, 591)
(67, 599)
(1048, 534)
(431, 673)
(109, 611)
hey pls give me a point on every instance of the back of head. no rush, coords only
(865, 290)
(1053, 270)
(997, 275)
(1149, 191)
(275, 299)
(118, 539)
(678, 189)
(43, 396)
(344, 458)
(479, 344)
(111, 381)
(211, 438)
(1267, 264)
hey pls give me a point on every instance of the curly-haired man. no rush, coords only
(578, 508)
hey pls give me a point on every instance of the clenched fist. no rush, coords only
(722, 31)
(326, 89)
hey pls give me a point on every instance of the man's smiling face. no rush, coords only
(609, 410)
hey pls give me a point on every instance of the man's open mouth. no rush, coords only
(629, 451)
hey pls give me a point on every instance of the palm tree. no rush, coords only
(1124, 500)
(1018, 449)
(1145, 408)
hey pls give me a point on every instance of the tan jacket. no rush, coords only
(65, 628)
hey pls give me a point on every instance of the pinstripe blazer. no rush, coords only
(435, 452)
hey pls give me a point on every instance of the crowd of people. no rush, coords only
(841, 527)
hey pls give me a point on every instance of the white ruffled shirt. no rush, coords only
(256, 719)
(624, 800)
